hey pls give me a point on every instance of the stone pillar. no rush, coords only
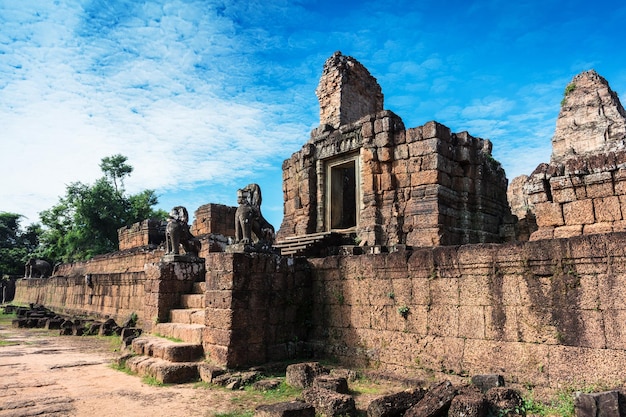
(165, 282)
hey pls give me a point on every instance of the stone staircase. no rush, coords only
(173, 353)
(312, 244)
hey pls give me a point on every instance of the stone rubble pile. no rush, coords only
(38, 316)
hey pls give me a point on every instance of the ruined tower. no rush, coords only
(362, 173)
(582, 190)
(347, 91)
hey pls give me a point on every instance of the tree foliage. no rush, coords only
(85, 221)
(16, 244)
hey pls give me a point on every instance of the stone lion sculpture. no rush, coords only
(38, 266)
(249, 222)
(177, 233)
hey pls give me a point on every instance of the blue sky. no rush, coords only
(204, 97)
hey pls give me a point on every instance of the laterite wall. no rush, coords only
(544, 312)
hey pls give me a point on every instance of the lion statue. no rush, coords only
(177, 233)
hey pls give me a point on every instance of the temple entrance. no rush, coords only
(342, 193)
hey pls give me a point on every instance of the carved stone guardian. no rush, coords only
(177, 233)
(252, 232)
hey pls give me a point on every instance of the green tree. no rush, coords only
(16, 244)
(85, 221)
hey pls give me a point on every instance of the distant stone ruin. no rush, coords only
(582, 190)
(362, 172)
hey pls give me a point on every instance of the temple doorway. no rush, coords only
(342, 193)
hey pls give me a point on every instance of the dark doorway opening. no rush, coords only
(343, 194)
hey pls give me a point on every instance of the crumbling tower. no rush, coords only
(362, 173)
(583, 188)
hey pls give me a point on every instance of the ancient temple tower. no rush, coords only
(363, 174)
(591, 118)
(582, 190)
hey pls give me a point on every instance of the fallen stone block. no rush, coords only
(486, 382)
(337, 384)
(286, 409)
(505, 402)
(469, 405)
(301, 375)
(605, 404)
(329, 403)
(435, 403)
(395, 405)
(209, 372)
(266, 384)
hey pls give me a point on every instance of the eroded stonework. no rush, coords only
(583, 188)
(591, 119)
(425, 186)
(347, 91)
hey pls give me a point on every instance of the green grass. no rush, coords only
(235, 414)
(152, 381)
(562, 404)
(171, 339)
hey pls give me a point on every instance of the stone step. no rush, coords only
(164, 371)
(192, 300)
(189, 333)
(187, 315)
(199, 287)
(161, 348)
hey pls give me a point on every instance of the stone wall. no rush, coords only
(258, 308)
(585, 195)
(115, 295)
(214, 219)
(147, 232)
(546, 313)
(122, 283)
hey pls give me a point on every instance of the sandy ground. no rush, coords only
(43, 374)
(47, 375)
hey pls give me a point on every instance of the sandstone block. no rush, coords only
(604, 404)
(468, 405)
(285, 409)
(578, 212)
(486, 382)
(549, 214)
(393, 405)
(435, 403)
(562, 232)
(301, 375)
(329, 403)
(505, 402)
(607, 209)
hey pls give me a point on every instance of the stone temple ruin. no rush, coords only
(400, 250)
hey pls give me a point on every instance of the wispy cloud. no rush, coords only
(205, 96)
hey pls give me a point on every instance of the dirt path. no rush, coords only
(47, 375)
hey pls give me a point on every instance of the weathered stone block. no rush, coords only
(285, 409)
(485, 382)
(329, 403)
(468, 405)
(436, 402)
(549, 214)
(505, 402)
(301, 375)
(607, 209)
(562, 232)
(605, 404)
(394, 405)
(577, 212)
